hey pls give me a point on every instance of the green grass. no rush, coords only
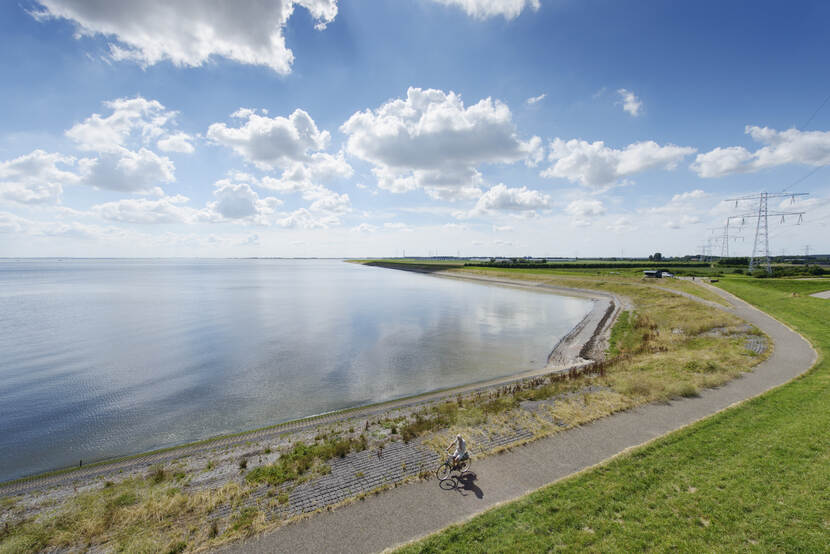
(754, 478)
(303, 458)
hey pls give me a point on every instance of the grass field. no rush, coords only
(754, 478)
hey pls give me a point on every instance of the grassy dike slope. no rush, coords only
(755, 477)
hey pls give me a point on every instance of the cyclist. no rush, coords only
(460, 450)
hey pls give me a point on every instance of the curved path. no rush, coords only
(420, 508)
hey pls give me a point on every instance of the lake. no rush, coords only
(103, 358)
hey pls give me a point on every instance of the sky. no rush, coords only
(556, 128)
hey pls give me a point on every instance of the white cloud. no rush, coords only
(365, 228)
(304, 177)
(304, 219)
(431, 140)
(179, 142)
(682, 210)
(11, 223)
(271, 142)
(127, 171)
(536, 99)
(585, 207)
(35, 178)
(239, 202)
(168, 209)
(325, 200)
(502, 228)
(683, 221)
(298, 179)
(130, 118)
(398, 227)
(622, 224)
(696, 194)
(782, 147)
(482, 9)
(595, 165)
(630, 102)
(190, 32)
(500, 198)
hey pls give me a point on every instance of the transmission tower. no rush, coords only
(760, 248)
(722, 237)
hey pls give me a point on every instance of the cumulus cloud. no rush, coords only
(295, 145)
(122, 140)
(305, 219)
(130, 118)
(683, 221)
(595, 165)
(682, 209)
(190, 32)
(168, 209)
(11, 223)
(304, 177)
(365, 228)
(179, 142)
(782, 147)
(127, 171)
(325, 200)
(630, 102)
(536, 99)
(482, 9)
(585, 207)
(502, 228)
(36, 178)
(501, 198)
(271, 142)
(689, 195)
(622, 224)
(239, 202)
(431, 140)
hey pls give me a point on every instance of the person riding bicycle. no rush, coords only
(460, 453)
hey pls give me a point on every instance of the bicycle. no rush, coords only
(446, 469)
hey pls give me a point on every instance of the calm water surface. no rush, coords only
(102, 358)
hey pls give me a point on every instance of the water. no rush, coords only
(102, 358)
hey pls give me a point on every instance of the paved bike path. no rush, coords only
(417, 509)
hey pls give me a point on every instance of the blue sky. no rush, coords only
(366, 128)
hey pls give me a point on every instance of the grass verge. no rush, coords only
(755, 477)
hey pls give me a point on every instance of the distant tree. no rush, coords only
(657, 257)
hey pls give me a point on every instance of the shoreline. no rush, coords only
(567, 355)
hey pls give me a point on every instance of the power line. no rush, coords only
(804, 127)
(794, 183)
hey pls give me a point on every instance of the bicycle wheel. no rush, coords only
(443, 471)
(464, 466)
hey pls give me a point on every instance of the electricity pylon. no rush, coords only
(723, 237)
(760, 248)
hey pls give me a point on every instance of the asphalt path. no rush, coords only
(417, 509)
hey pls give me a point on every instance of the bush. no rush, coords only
(302, 457)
